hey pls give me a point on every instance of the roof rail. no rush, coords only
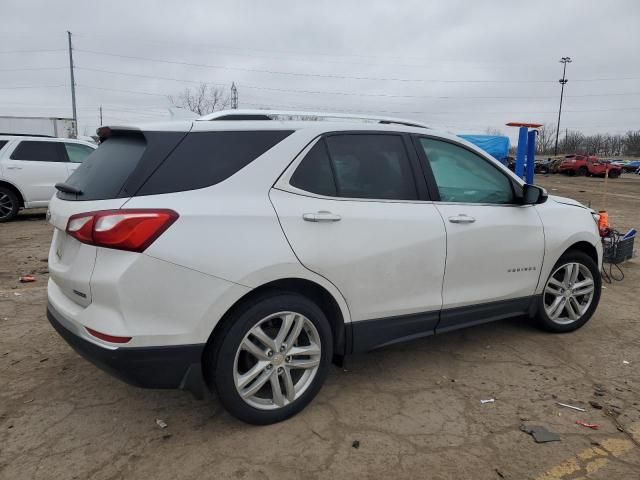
(309, 116)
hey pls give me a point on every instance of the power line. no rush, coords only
(30, 69)
(31, 86)
(225, 49)
(32, 51)
(137, 92)
(319, 75)
(361, 94)
(306, 74)
(278, 51)
(325, 108)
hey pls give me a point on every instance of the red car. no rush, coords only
(588, 165)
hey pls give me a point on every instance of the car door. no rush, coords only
(76, 154)
(353, 213)
(35, 166)
(495, 245)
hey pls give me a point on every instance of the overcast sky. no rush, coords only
(461, 66)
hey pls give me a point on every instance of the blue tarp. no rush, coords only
(495, 145)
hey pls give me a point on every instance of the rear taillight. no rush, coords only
(128, 229)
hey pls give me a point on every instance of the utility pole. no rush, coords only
(563, 81)
(234, 96)
(73, 88)
(100, 115)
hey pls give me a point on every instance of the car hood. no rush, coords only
(567, 201)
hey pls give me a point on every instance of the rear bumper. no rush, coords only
(149, 367)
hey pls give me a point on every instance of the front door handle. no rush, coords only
(14, 168)
(322, 216)
(462, 218)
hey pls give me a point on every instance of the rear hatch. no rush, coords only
(106, 180)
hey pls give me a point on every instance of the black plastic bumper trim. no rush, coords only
(147, 367)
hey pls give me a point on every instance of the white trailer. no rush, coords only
(49, 126)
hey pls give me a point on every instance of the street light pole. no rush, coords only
(563, 81)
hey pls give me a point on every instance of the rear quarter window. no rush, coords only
(203, 159)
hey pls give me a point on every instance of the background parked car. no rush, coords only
(588, 165)
(544, 165)
(30, 166)
(631, 167)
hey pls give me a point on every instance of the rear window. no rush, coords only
(38, 152)
(105, 171)
(205, 158)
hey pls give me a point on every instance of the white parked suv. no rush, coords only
(248, 249)
(30, 166)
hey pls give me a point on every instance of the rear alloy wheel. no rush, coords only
(571, 294)
(272, 370)
(614, 173)
(9, 205)
(273, 359)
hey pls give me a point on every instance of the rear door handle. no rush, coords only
(321, 216)
(14, 168)
(462, 218)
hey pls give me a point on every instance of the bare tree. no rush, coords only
(545, 140)
(632, 143)
(493, 131)
(573, 142)
(202, 99)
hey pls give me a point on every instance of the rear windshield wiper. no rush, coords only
(66, 188)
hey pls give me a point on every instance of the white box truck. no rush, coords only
(49, 126)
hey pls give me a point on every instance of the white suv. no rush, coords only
(249, 249)
(30, 166)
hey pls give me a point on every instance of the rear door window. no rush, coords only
(374, 166)
(3, 143)
(37, 151)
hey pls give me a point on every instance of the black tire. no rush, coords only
(582, 171)
(614, 174)
(541, 315)
(221, 356)
(9, 205)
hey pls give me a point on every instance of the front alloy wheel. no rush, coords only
(568, 293)
(571, 293)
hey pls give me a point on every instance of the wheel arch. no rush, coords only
(314, 291)
(14, 189)
(585, 247)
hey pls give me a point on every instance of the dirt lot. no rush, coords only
(414, 409)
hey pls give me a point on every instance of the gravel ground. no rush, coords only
(410, 411)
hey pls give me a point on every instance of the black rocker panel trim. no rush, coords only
(371, 334)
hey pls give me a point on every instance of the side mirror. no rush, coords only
(533, 195)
